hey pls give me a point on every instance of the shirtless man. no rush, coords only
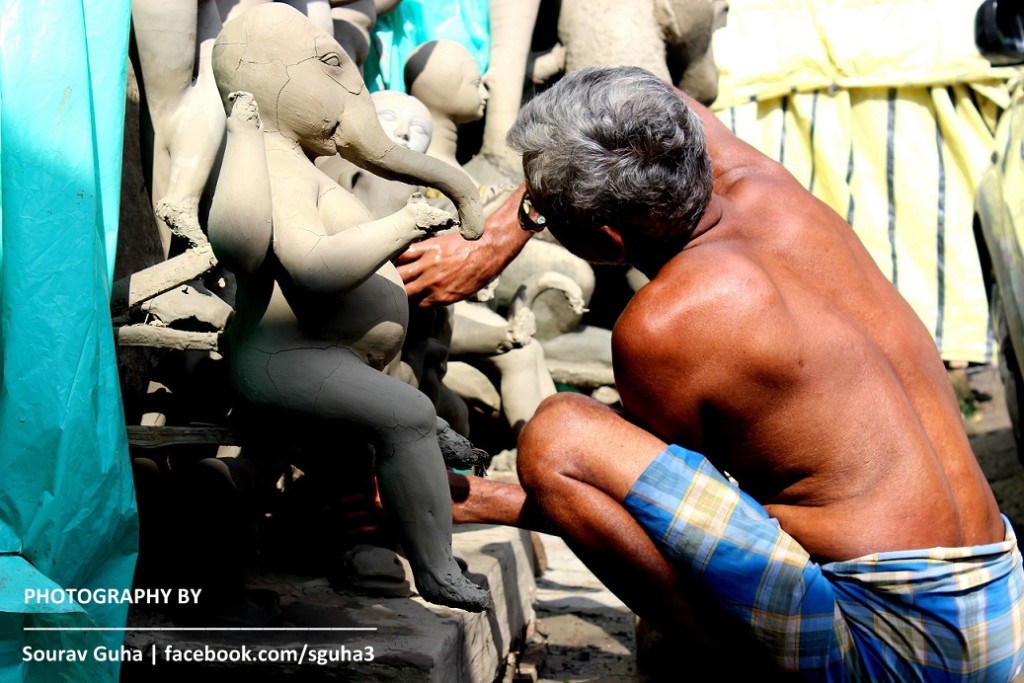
(865, 543)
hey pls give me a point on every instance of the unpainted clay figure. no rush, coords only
(404, 118)
(321, 310)
(424, 357)
(688, 26)
(443, 75)
(174, 41)
(608, 32)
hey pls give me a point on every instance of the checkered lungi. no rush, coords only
(944, 614)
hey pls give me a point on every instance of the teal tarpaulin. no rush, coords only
(67, 507)
(414, 22)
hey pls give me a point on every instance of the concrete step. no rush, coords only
(392, 639)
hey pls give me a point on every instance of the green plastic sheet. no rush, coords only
(414, 22)
(67, 506)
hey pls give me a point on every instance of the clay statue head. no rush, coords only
(405, 119)
(309, 90)
(444, 76)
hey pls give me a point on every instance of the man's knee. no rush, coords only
(552, 440)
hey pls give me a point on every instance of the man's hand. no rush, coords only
(446, 268)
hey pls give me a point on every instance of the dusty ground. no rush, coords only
(989, 429)
(587, 633)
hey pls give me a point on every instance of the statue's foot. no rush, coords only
(375, 571)
(539, 283)
(458, 452)
(455, 590)
(522, 325)
(182, 220)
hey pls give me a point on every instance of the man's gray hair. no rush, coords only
(616, 146)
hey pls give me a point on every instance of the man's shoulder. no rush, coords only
(718, 318)
(701, 288)
(701, 329)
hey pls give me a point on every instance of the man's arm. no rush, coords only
(447, 268)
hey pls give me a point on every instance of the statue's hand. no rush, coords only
(245, 114)
(428, 219)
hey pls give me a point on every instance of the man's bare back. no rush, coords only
(774, 345)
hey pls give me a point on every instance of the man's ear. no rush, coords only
(613, 242)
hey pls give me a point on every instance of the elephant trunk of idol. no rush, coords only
(363, 142)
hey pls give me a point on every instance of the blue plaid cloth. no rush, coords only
(944, 614)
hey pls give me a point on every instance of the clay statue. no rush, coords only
(443, 75)
(688, 26)
(405, 119)
(423, 362)
(669, 38)
(321, 310)
(174, 41)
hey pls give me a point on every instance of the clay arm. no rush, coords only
(512, 23)
(542, 65)
(335, 264)
(241, 215)
(447, 268)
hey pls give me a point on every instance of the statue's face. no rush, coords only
(303, 82)
(404, 118)
(470, 98)
(721, 10)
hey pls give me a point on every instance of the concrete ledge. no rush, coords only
(413, 640)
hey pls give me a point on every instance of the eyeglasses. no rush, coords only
(530, 219)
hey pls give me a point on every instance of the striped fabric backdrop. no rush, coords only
(888, 128)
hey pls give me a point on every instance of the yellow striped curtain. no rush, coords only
(885, 111)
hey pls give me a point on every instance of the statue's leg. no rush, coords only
(477, 329)
(525, 382)
(332, 383)
(166, 37)
(193, 136)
